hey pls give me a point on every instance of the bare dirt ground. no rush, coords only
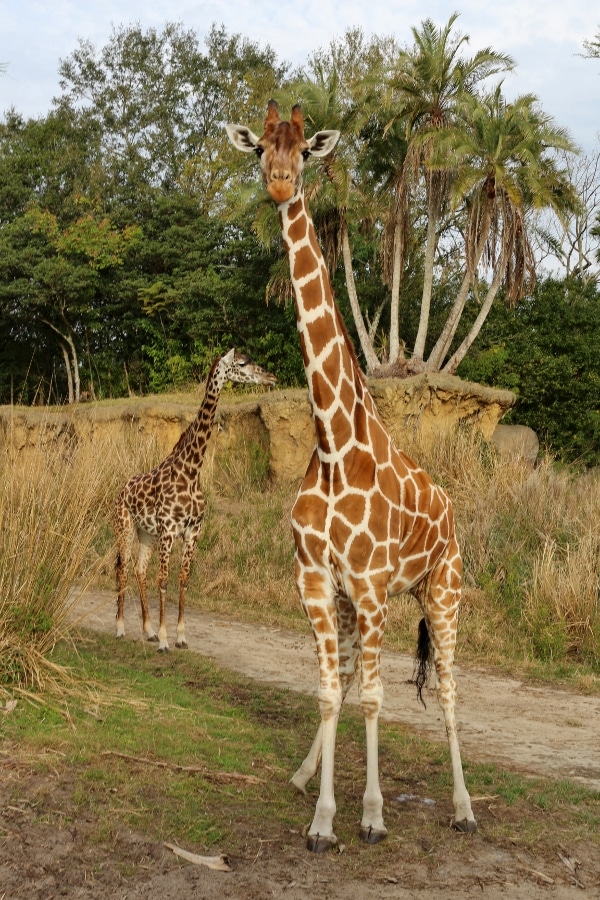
(533, 730)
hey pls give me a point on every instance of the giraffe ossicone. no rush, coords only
(167, 503)
(368, 522)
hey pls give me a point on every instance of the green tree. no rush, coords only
(592, 48)
(159, 100)
(200, 285)
(44, 166)
(547, 350)
(65, 281)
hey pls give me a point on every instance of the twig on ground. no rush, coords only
(219, 863)
(220, 777)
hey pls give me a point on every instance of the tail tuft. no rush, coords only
(422, 660)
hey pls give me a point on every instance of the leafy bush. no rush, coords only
(547, 350)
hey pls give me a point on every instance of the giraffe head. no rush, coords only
(282, 150)
(234, 366)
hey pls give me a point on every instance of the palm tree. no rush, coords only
(498, 152)
(427, 85)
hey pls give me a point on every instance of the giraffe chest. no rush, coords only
(391, 532)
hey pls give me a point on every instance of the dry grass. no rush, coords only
(55, 506)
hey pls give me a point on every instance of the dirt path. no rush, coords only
(537, 730)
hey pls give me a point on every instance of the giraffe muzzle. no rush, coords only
(281, 189)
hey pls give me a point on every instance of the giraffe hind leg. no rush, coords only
(124, 531)
(370, 692)
(441, 613)
(141, 568)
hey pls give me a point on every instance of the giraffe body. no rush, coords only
(368, 523)
(168, 503)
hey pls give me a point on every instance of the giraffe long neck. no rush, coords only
(191, 447)
(335, 382)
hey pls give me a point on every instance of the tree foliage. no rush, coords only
(547, 350)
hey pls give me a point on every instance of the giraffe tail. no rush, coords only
(422, 660)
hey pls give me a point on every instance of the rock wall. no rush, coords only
(280, 421)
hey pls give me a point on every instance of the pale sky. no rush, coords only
(543, 37)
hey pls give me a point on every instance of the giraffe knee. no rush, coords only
(371, 699)
(330, 702)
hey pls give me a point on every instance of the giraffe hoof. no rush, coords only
(465, 826)
(299, 783)
(371, 835)
(153, 638)
(163, 649)
(182, 645)
(317, 843)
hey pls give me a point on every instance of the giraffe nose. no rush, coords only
(281, 175)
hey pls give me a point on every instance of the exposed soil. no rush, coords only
(533, 730)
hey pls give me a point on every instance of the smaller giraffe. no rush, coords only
(167, 502)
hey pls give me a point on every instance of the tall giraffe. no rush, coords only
(368, 523)
(167, 503)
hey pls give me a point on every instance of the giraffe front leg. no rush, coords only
(348, 653)
(322, 614)
(371, 627)
(321, 836)
(165, 545)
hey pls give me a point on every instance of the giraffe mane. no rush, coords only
(350, 344)
(184, 436)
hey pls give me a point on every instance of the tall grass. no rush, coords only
(52, 508)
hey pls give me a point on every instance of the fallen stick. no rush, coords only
(200, 770)
(219, 863)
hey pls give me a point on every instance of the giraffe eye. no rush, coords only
(305, 154)
(259, 151)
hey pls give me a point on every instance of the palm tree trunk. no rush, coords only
(366, 343)
(419, 348)
(394, 349)
(444, 341)
(459, 354)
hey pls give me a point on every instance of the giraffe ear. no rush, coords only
(228, 357)
(242, 138)
(323, 142)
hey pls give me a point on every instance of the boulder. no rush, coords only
(517, 440)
